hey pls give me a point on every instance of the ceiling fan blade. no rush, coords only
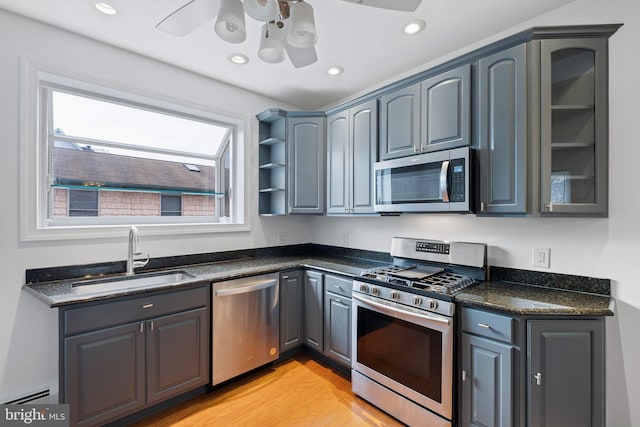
(189, 17)
(401, 5)
(301, 57)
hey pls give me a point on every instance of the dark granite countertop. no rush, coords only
(60, 292)
(513, 291)
(523, 299)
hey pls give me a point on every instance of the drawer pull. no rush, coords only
(148, 305)
(484, 325)
(285, 277)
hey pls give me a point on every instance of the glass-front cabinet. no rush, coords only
(574, 126)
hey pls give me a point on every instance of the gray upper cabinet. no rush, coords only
(351, 153)
(566, 373)
(306, 140)
(291, 309)
(574, 133)
(501, 132)
(400, 123)
(446, 110)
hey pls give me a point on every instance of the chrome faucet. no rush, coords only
(134, 249)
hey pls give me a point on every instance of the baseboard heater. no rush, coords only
(37, 397)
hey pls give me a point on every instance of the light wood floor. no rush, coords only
(297, 392)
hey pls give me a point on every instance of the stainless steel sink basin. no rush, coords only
(118, 283)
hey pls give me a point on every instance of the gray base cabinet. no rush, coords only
(530, 371)
(291, 310)
(337, 319)
(487, 384)
(314, 310)
(565, 373)
(119, 357)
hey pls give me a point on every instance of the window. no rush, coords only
(109, 158)
(170, 205)
(83, 202)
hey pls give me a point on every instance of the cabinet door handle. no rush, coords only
(464, 376)
(147, 305)
(538, 378)
(484, 325)
(285, 277)
(152, 325)
(482, 206)
(142, 327)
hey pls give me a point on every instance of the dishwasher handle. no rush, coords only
(252, 287)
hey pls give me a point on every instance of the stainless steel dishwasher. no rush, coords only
(245, 325)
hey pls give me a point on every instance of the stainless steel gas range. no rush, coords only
(403, 328)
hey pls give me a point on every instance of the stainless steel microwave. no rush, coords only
(431, 182)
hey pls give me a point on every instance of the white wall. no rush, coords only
(592, 247)
(28, 346)
(606, 248)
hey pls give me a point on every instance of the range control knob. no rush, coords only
(432, 305)
(364, 288)
(395, 295)
(416, 300)
(375, 291)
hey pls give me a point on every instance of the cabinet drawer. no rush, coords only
(83, 319)
(338, 285)
(487, 324)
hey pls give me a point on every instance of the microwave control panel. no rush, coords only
(457, 191)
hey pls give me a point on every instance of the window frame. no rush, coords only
(33, 157)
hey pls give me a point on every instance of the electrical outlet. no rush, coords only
(282, 238)
(541, 257)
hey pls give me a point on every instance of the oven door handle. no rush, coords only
(388, 308)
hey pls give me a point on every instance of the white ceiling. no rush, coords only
(367, 42)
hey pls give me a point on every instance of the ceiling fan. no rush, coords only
(288, 24)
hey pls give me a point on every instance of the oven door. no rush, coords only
(407, 350)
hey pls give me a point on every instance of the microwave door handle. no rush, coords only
(444, 172)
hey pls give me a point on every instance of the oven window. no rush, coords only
(400, 350)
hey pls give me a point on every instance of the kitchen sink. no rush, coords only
(118, 283)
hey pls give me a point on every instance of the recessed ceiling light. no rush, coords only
(238, 58)
(414, 26)
(335, 71)
(107, 8)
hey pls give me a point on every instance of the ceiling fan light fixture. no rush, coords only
(271, 44)
(302, 30)
(230, 22)
(262, 10)
(414, 27)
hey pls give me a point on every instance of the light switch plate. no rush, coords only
(541, 257)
